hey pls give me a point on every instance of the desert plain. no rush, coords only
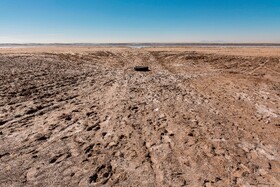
(81, 116)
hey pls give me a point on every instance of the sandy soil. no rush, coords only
(84, 117)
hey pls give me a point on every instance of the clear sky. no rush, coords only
(49, 21)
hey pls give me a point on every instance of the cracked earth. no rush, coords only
(84, 117)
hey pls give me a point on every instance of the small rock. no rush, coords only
(161, 116)
(111, 144)
(141, 68)
(42, 138)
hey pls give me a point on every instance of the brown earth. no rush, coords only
(84, 117)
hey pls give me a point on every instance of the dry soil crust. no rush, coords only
(84, 117)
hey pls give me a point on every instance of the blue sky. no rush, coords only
(49, 21)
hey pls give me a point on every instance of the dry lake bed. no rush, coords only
(81, 116)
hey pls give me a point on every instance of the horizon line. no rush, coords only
(67, 43)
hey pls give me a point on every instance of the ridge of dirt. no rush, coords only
(88, 119)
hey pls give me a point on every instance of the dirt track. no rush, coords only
(86, 118)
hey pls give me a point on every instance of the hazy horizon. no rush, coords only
(85, 43)
(142, 21)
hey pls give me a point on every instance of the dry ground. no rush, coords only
(83, 117)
